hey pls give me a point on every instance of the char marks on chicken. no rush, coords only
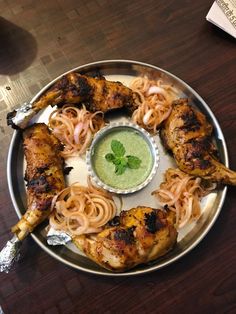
(188, 135)
(97, 94)
(141, 235)
(44, 176)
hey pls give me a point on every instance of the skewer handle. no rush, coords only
(10, 254)
(19, 118)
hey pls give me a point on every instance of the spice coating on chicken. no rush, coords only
(187, 133)
(143, 234)
(44, 176)
(98, 94)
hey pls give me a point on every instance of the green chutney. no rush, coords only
(135, 145)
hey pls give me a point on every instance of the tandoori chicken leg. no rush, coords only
(142, 235)
(187, 133)
(44, 176)
(97, 94)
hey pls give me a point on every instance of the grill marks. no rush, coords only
(96, 93)
(196, 152)
(142, 235)
(44, 172)
(126, 235)
(190, 120)
(82, 88)
(44, 176)
(39, 184)
(188, 134)
(153, 222)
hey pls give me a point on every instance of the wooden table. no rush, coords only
(40, 40)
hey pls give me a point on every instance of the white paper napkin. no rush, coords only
(223, 15)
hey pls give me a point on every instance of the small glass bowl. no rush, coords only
(126, 126)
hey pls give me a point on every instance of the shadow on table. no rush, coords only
(17, 48)
(221, 34)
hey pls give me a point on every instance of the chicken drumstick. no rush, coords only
(187, 134)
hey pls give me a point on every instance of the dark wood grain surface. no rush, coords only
(40, 40)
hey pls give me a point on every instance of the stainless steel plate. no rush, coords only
(124, 71)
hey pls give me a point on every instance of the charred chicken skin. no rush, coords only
(140, 235)
(97, 94)
(44, 176)
(187, 133)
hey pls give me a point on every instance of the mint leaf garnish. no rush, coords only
(119, 159)
(120, 169)
(117, 148)
(110, 157)
(133, 162)
(123, 161)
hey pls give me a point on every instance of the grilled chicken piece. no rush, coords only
(187, 134)
(97, 94)
(44, 176)
(142, 235)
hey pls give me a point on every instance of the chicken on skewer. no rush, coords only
(44, 176)
(97, 94)
(140, 235)
(187, 133)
